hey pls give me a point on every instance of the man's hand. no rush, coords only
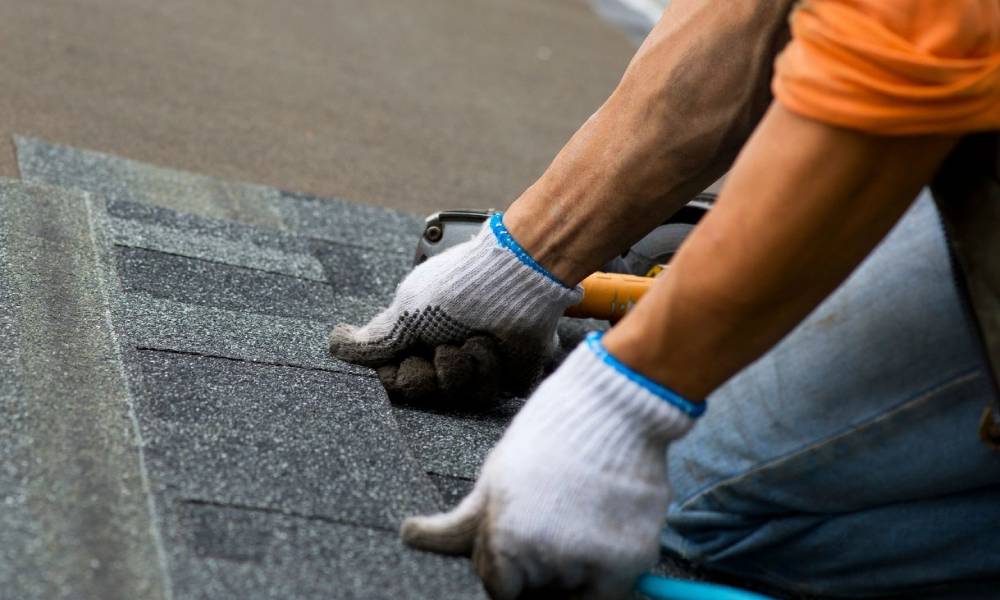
(573, 497)
(482, 308)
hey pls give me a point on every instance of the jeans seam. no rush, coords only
(957, 379)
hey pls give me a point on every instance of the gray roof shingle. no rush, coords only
(73, 496)
(273, 469)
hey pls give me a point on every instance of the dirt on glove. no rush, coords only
(465, 375)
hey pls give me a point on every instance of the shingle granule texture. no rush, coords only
(73, 501)
(160, 324)
(300, 441)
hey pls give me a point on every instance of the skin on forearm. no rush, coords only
(686, 104)
(803, 205)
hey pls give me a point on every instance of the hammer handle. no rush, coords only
(609, 295)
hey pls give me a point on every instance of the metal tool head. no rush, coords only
(447, 228)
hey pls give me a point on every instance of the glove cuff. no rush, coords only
(506, 240)
(509, 286)
(689, 408)
(600, 407)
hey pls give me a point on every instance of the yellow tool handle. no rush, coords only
(609, 295)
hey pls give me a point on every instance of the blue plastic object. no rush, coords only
(662, 588)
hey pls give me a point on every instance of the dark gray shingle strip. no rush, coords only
(164, 230)
(453, 489)
(75, 512)
(301, 441)
(450, 443)
(361, 272)
(360, 286)
(336, 220)
(224, 552)
(168, 325)
(207, 283)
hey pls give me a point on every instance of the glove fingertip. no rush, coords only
(387, 376)
(452, 532)
(416, 380)
(454, 368)
(411, 529)
(428, 533)
(341, 338)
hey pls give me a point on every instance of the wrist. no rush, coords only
(638, 345)
(599, 408)
(549, 242)
(505, 239)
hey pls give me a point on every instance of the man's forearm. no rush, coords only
(791, 223)
(686, 104)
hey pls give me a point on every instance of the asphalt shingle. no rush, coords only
(452, 489)
(172, 232)
(452, 443)
(227, 552)
(115, 179)
(160, 324)
(300, 441)
(207, 283)
(74, 508)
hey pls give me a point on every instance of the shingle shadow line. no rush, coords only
(219, 262)
(285, 513)
(370, 375)
(449, 476)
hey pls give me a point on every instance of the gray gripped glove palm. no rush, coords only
(573, 497)
(483, 311)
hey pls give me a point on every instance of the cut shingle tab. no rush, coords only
(156, 323)
(300, 441)
(172, 232)
(453, 489)
(196, 281)
(74, 508)
(228, 552)
(362, 272)
(451, 443)
(335, 220)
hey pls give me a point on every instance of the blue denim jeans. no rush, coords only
(846, 461)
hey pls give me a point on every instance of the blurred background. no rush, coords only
(417, 105)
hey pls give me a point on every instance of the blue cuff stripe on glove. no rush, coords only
(691, 409)
(506, 240)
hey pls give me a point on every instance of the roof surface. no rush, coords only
(175, 361)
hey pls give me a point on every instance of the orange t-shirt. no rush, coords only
(894, 67)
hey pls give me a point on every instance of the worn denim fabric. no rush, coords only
(846, 461)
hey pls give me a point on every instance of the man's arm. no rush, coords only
(685, 106)
(792, 221)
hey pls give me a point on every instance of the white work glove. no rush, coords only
(487, 290)
(573, 497)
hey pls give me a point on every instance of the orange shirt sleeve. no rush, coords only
(894, 67)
